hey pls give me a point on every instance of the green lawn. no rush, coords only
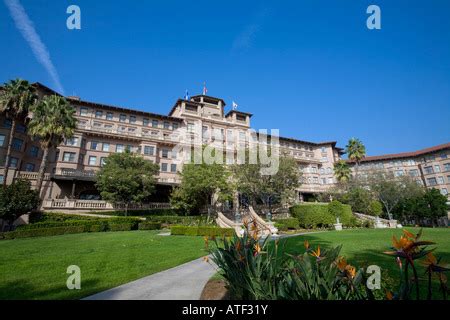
(364, 247)
(35, 268)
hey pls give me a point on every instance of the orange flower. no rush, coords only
(316, 253)
(389, 295)
(341, 264)
(257, 249)
(206, 241)
(402, 244)
(350, 270)
(430, 260)
(306, 244)
(409, 234)
(206, 258)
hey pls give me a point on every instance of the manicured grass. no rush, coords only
(364, 247)
(35, 268)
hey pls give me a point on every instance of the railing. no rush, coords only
(77, 204)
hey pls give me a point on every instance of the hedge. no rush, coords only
(201, 231)
(320, 215)
(149, 226)
(286, 224)
(41, 232)
(180, 220)
(142, 212)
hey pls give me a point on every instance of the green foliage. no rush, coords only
(313, 215)
(254, 270)
(375, 208)
(341, 211)
(355, 150)
(126, 178)
(342, 171)
(149, 226)
(199, 182)
(201, 231)
(268, 188)
(41, 232)
(17, 199)
(287, 223)
(181, 220)
(358, 198)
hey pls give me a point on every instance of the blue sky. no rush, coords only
(310, 68)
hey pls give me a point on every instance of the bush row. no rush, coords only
(322, 215)
(53, 229)
(182, 220)
(201, 231)
(287, 223)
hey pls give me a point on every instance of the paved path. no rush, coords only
(184, 282)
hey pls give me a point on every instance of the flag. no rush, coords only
(205, 90)
(186, 95)
(235, 105)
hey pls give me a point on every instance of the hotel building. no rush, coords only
(104, 129)
(429, 167)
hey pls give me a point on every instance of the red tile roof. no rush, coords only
(406, 154)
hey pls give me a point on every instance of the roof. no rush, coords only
(122, 109)
(46, 89)
(238, 112)
(333, 143)
(209, 97)
(405, 154)
(182, 100)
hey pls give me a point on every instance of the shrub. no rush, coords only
(375, 208)
(122, 226)
(201, 231)
(149, 226)
(341, 211)
(312, 215)
(286, 224)
(41, 232)
(181, 220)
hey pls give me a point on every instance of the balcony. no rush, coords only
(75, 204)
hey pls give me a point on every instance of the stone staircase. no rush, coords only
(264, 228)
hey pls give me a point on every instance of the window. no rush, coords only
(190, 127)
(109, 116)
(102, 161)
(17, 144)
(414, 173)
(13, 162)
(149, 150)
(446, 166)
(129, 147)
(83, 111)
(119, 148)
(34, 151)
(155, 123)
(444, 191)
(164, 167)
(324, 181)
(166, 125)
(83, 143)
(72, 142)
(122, 118)
(132, 119)
(399, 173)
(2, 140)
(81, 159)
(165, 153)
(94, 145)
(173, 167)
(56, 155)
(428, 170)
(145, 122)
(330, 180)
(69, 156)
(7, 123)
(105, 147)
(440, 180)
(97, 124)
(431, 181)
(174, 126)
(323, 150)
(98, 114)
(1, 178)
(443, 156)
(437, 168)
(29, 167)
(241, 135)
(20, 128)
(174, 154)
(92, 160)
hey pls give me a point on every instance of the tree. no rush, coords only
(359, 198)
(431, 205)
(16, 98)
(268, 188)
(53, 121)
(200, 183)
(356, 151)
(17, 199)
(342, 171)
(126, 178)
(391, 190)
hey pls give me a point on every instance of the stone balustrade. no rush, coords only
(77, 204)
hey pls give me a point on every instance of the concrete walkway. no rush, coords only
(184, 282)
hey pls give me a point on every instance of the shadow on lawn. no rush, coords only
(26, 290)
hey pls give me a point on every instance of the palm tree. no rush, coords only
(342, 171)
(53, 121)
(356, 151)
(16, 98)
